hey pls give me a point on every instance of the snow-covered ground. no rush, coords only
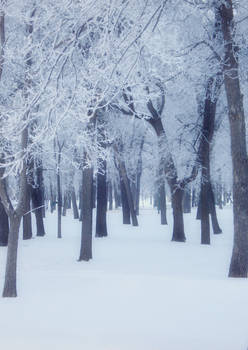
(141, 291)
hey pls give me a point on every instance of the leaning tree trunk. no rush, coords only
(212, 209)
(87, 210)
(239, 261)
(102, 201)
(4, 226)
(176, 187)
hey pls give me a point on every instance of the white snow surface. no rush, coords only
(140, 292)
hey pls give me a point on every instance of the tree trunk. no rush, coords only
(204, 212)
(125, 205)
(4, 226)
(74, 203)
(37, 201)
(187, 200)
(126, 182)
(110, 195)
(59, 235)
(118, 199)
(212, 209)
(162, 202)
(27, 219)
(94, 193)
(239, 261)
(65, 204)
(101, 210)
(178, 225)
(87, 210)
(11, 265)
(137, 197)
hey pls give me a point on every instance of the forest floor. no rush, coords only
(140, 292)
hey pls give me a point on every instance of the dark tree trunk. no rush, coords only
(176, 187)
(137, 197)
(206, 204)
(138, 176)
(43, 203)
(178, 225)
(126, 182)
(162, 202)
(239, 261)
(37, 201)
(198, 213)
(87, 210)
(117, 196)
(74, 203)
(68, 201)
(59, 235)
(204, 212)
(4, 226)
(101, 210)
(194, 198)
(125, 205)
(80, 198)
(187, 200)
(219, 195)
(110, 195)
(52, 199)
(212, 209)
(11, 265)
(81, 203)
(65, 204)
(27, 219)
(94, 194)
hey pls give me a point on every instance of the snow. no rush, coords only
(141, 291)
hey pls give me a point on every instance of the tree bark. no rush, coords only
(129, 196)
(178, 227)
(74, 203)
(204, 212)
(4, 226)
(125, 205)
(176, 187)
(27, 219)
(110, 195)
(37, 199)
(11, 264)
(65, 204)
(187, 200)
(212, 209)
(117, 196)
(101, 209)
(59, 195)
(87, 210)
(239, 261)
(162, 202)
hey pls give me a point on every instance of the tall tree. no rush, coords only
(239, 261)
